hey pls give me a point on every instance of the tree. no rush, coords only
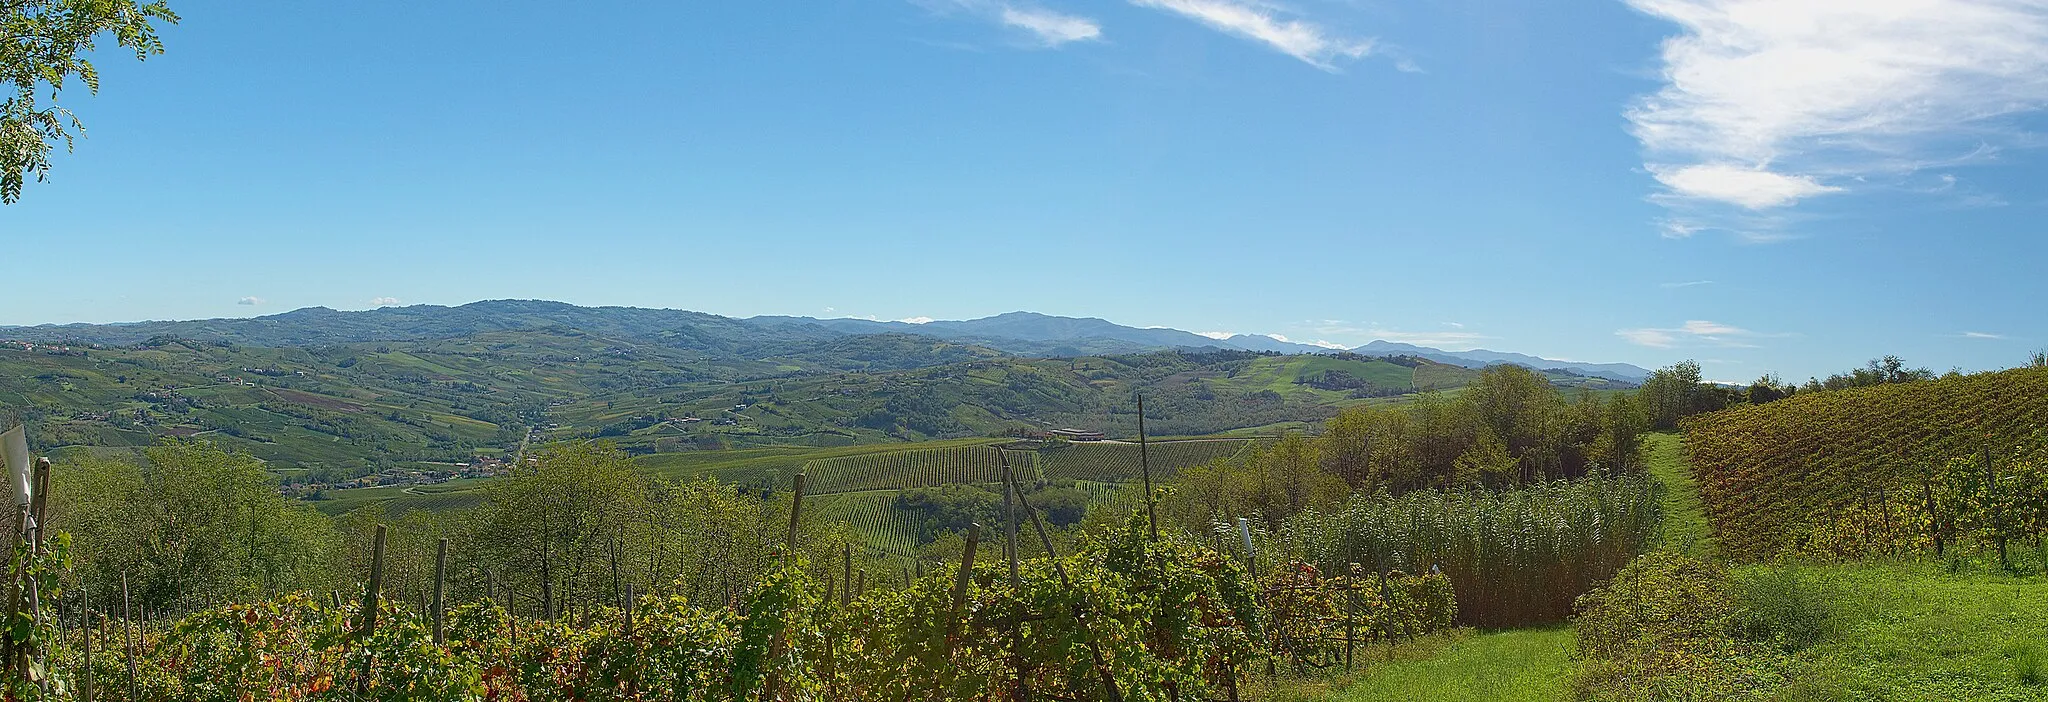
(1879, 371)
(1673, 393)
(555, 526)
(192, 524)
(43, 44)
(1769, 388)
(1269, 485)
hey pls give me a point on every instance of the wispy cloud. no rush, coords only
(383, 301)
(1767, 103)
(1051, 28)
(1686, 284)
(1307, 41)
(916, 320)
(1982, 335)
(1694, 333)
(1217, 334)
(251, 300)
(1452, 338)
(1325, 343)
(1047, 28)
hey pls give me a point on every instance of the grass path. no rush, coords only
(1685, 517)
(1530, 664)
(1523, 664)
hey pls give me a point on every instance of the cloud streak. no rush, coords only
(1051, 28)
(1047, 28)
(383, 301)
(1306, 41)
(1694, 333)
(1769, 103)
(251, 300)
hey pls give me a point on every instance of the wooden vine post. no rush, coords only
(85, 691)
(128, 633)
(1145, 467)
(440, 578)
(370, 605)
(1080, 613)
(960, 584)
(1020, 691)
(773, 686)
(1997, 509)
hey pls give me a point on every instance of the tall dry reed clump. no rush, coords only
(1515, 557)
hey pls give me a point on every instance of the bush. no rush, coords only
(1780, 606)
(1658, 631)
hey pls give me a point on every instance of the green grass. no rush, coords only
(1685, 517)
(1525, 664)
(1916, 632)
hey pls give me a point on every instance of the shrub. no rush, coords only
(1781, 606)
(1659, 631)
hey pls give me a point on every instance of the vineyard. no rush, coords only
(915, 468)
(1776, 473)
(1124, 617)
(1114, 462)
(882, 529)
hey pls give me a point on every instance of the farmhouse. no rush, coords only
(1078, 434)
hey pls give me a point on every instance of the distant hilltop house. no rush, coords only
(1077, 434)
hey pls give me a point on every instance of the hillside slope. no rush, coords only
(1772, 473)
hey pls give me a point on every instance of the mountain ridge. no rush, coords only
(1020, 333)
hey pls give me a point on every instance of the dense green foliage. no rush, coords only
(191, 525)
(1509, 427)
(1819, 471)
(1157, 619)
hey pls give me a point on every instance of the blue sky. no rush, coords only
(1778, 185)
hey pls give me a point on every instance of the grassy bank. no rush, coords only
(1513, 666)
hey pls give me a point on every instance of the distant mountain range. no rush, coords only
(1089, 335)
(1018, 333)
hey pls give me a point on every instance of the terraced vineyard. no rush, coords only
(902, 470)
(883, 529)
(1771, 472)
(1114, 462)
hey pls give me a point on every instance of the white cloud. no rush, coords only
(1217, 334)
(1982, 335)
(1769, 102)
(1301, 39)
(1686, 284)
(916, 320)
(1694, 333)
(1754, 188)
(1047, 28)
(251, 300)
(1455, 325)
(1052, 28)
(1654, 338)
(383, 301)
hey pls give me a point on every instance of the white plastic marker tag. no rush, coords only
(14, 449)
